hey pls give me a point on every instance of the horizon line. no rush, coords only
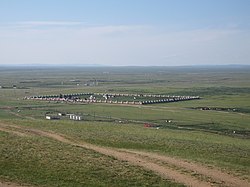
(101, 65)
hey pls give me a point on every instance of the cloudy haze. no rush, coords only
(126, 33)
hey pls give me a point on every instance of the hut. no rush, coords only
(52, 117)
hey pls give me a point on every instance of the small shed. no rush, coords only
(48, 117)
(61, 114)
(52, 117)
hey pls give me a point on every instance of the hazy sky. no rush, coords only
(125, 32)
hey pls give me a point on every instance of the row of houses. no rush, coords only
(183, 98)
(92, 98)
(121, 102)
(139, 95)
(59, 115)
(106, 94)
(75, 117)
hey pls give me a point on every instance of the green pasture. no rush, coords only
(181, 117)
(216, 138)
(44, 162)
(230, 153)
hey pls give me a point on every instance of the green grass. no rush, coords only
(44, 162)
(203, 136)
(213, 121)
(198, 146)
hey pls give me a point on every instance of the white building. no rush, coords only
(75, 117)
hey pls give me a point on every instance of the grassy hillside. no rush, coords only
(216, 137)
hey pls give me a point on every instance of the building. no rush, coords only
(75, 117)
(61, 114)
(52, 117)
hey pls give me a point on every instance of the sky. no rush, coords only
(125, 32)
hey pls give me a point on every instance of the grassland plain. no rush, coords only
(40, 161)
(215, 138)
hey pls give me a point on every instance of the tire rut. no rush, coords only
(144, 160)
(216, 174)
(13, 132)
(8, 184)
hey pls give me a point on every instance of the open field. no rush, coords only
(217, 138)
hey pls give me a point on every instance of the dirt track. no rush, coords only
(166, 167)
(8, 184)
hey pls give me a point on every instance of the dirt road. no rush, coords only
(175, 169)
(9, 184)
